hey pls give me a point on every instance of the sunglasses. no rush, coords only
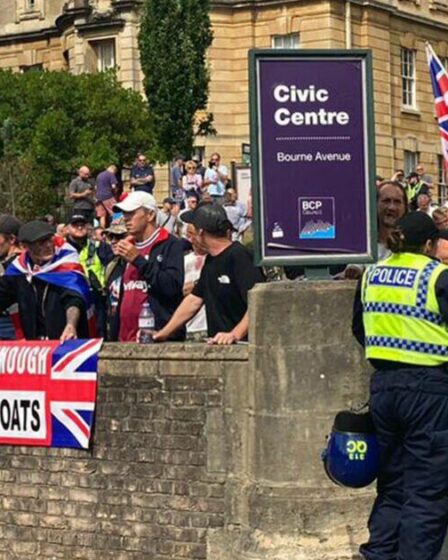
(115, 236)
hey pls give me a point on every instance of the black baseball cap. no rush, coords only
(77, 219)
(417, 228)
(35, 231)
(9, 225)
(212, 218)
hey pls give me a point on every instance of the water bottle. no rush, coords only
(146, 325)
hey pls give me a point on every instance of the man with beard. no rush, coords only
(391, 206)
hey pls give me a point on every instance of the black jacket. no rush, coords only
(163, 271)
(42, 306)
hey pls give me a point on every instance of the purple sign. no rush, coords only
(313, 167)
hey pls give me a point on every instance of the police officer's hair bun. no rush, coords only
(396, 241)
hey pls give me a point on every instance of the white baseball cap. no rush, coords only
(136, 200)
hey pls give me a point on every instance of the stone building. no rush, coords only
(90, 35)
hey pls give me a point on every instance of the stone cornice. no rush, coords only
(70, 15)
(100, 25)
(42, 34)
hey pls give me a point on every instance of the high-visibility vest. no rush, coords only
(92, 265)
(401, 316)
(412, 191)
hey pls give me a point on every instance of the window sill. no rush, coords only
(410, 111)
(32, 14)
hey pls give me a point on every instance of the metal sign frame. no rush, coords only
(258, 188)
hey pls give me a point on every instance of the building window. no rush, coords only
(290, 41)
(408, 77)
(410, 161)
(441, 179)
(31, 68)
(29, 9)
(104, 52)
(200, 152)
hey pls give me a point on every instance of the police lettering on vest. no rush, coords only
(388, 276)
(401, 315)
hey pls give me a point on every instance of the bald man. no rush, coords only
(81, 193)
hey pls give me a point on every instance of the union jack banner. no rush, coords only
(48, 392)
(439, 79)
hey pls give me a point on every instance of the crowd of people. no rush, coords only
(182, 256)
(122, 258)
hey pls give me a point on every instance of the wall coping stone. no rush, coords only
(185, 352)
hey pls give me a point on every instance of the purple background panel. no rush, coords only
(283, 183)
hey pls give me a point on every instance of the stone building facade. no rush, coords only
(88, 35)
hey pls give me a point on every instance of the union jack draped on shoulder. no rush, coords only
(64, 271)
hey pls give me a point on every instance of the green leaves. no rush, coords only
(174, 38)
(53, 122)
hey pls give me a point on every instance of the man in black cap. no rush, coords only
(415, 186)
(94, 257)
(227, 277)
(9, 249)
(401, 318)
(50, 299)
(9, 245)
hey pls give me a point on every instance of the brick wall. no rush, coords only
(153, 486)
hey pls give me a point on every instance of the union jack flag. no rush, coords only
(439, 79)
(58, 384)
(74, 375)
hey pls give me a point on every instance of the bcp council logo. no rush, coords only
(317, 218)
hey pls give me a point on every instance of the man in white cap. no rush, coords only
(154, 271)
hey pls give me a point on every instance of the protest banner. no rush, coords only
(48, 392)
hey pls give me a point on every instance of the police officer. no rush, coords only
(415, 186)
(401, 316)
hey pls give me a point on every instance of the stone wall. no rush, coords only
(202, 452)
(154, 483)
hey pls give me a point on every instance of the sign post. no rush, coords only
(313, 159)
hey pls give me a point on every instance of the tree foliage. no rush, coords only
(174, 38)
(53, 122)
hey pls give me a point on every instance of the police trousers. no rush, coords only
(409, 408)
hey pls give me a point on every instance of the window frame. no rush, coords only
(288, 37)
(415, 156)
(96, 45)
(408, 73)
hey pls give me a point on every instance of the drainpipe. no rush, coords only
(348, 24)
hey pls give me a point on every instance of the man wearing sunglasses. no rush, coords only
(142, 175)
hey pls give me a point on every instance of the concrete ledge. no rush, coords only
(185, 352)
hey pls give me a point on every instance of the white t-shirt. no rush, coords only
(193, 265)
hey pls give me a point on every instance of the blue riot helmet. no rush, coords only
(351, 456)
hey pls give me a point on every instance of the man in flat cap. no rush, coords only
(47, 283)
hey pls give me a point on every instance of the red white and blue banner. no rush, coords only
(48, 392)
(439, 79)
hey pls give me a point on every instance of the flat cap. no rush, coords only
(35, 231)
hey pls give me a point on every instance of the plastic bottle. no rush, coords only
(146, 325)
